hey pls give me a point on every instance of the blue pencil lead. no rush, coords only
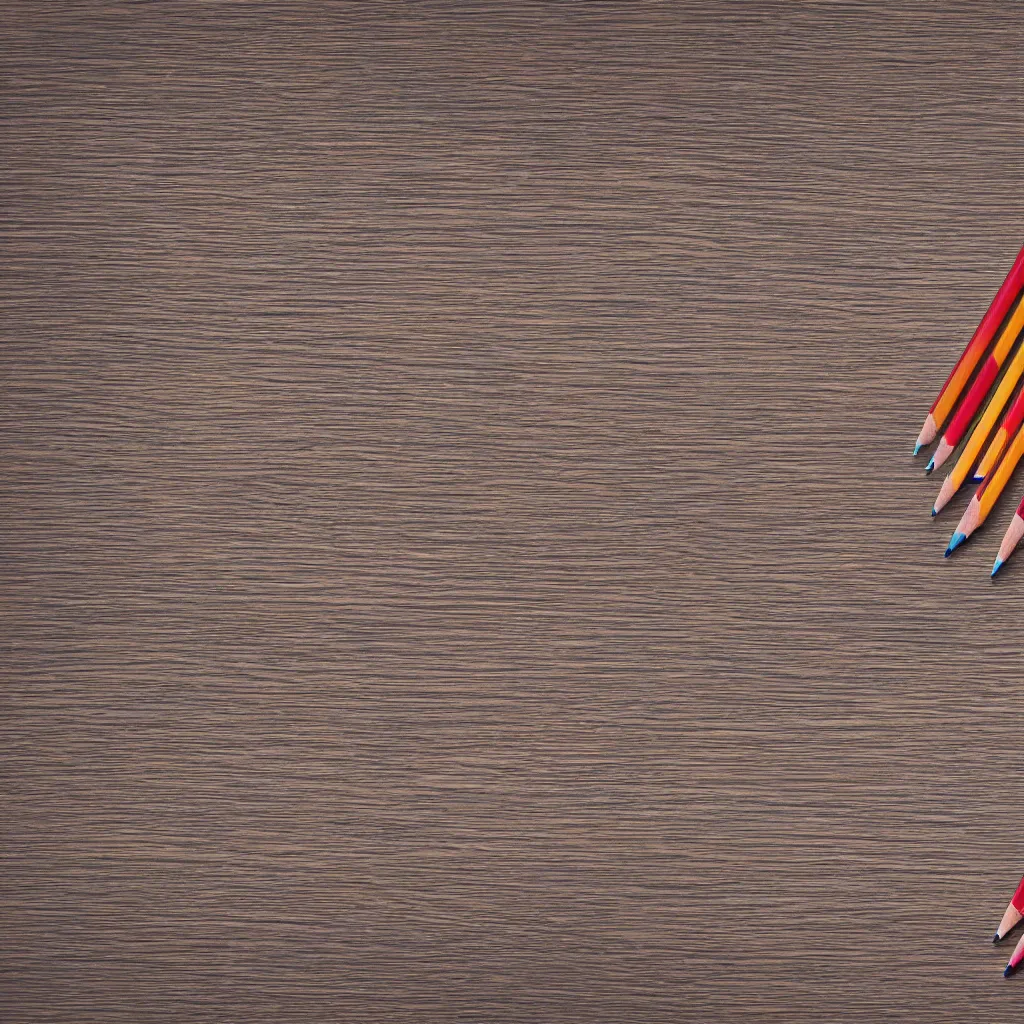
(955, 542)
(930, 466)
(918, 447)
(997, 566)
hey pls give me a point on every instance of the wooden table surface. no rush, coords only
(462, 556)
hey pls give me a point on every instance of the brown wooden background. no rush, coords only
(462, 557)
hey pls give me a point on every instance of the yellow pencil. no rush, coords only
(982, 502)
(991, 456)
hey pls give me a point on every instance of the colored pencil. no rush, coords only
(1016, 958)
(979, 390)
(1012, 420)
(1011, 539)
(988, 493)
(971, 355)
(979, 435)
(1014, 914)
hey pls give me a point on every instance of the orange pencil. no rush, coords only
(971, 355)
(988, 493)
(1011, 421)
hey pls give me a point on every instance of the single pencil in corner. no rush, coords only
(1013, 536)
(1014, 914)
(971, 355)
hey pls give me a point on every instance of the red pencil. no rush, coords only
(971, 355)
(1015, 959)
(1014, 914)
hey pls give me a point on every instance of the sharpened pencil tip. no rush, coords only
(930, 466)
(935, 512)
(918, 447)
(955, 541)
(995, 938)
(997, 566)
(1009, 971)
(978, 479)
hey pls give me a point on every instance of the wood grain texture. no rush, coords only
(462, 556)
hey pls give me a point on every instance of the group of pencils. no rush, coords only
(985, 378)
(1013, 917)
